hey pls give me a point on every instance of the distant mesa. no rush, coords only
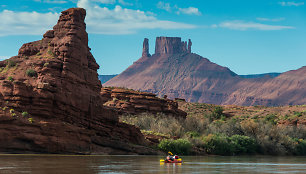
(167, 45)
(171, 45)
(176, 72)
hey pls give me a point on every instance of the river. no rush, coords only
(74, 164)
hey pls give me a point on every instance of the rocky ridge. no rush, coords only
(133, 102)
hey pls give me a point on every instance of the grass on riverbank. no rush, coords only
(211, 128)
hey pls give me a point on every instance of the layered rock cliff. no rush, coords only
(174, 71)
(128, 101)
(50, 98)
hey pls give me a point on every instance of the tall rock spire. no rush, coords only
(56, 82)
(189, 45)
(145, 49)
(73, 69)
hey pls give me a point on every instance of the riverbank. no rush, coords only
(226, 130)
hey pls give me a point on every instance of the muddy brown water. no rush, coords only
(62, 164)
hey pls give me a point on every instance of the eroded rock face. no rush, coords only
(55, 80)
(170, 45)
(70, 68)
(133, 102)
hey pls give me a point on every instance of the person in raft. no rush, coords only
(171, 157)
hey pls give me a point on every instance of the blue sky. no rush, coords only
(248, 36)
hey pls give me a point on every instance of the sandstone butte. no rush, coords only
(52, 101)
(175, 71)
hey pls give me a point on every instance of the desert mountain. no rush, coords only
(175, 71)
(288, 88)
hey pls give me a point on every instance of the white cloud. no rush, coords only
(52, 1)
(26, 23)
(214, 26)
(169, 8)
(164, 6)
(4, 57)
(189, 11)
(100, 20)
(106, 1)
(241, 25)
(270, 19)
(56, 9)
(122, 2)
(291, 3)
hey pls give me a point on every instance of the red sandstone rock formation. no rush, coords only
(176, 72)
(55, 80)
(133, 102)
(145, 49)
(170, 45)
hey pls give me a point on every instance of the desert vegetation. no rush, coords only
(227, 130)
(31, 73)
(10, 65)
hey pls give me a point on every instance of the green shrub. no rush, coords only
(192, 134)
(31, 73)
(217, 113)
(31, 120)
(218, 144)
(51, 53)
(25, 114)
(298, 114)
(271, 118)
(300, 147)
(11, 63)
(46, 64)
(10, 78)
(159, 123)
(179, 146)
(218, 110)
(195, 124)
(243, 144)
(224, 145)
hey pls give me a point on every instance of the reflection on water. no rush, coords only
(53, 164)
